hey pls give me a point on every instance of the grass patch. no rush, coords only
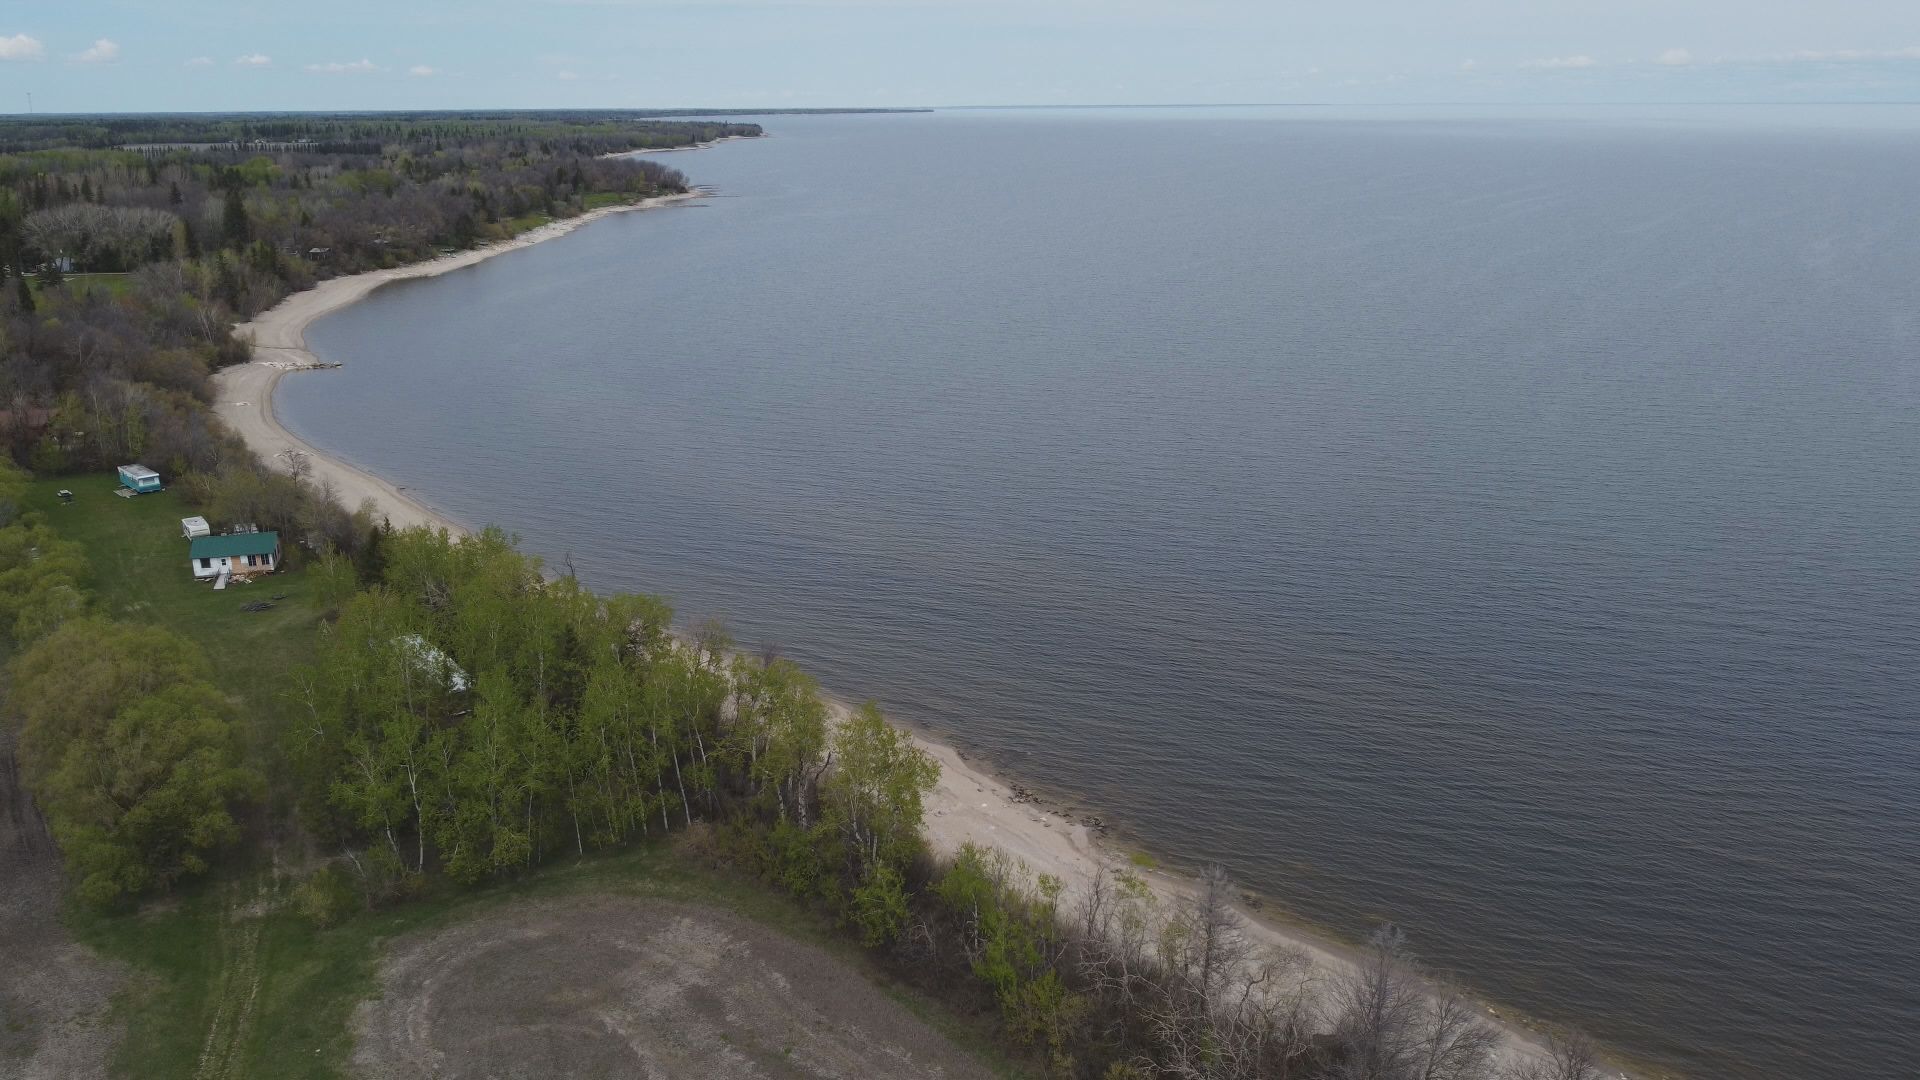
(116, 284)
(598, 200)
(516, 226)
(138, 560)
(1143, 860)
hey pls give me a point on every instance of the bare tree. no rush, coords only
(1380, 1010)
(1572, 1057)
(1224, 1008)
(713, 639)
(299, 465)
(1118, 920)
(1452, 1043)
(114, 236)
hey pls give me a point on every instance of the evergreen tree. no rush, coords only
(234, 226)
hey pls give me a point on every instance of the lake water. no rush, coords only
(1506, 525)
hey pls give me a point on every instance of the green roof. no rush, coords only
(221, 547)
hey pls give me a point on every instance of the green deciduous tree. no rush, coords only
(876, 790)
(469, 713)
(779, 735)
(13, 487)
(131, 753)
(880, 905)
(41, 580)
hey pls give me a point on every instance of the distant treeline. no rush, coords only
(637, 129)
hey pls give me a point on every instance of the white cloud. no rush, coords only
(255, 60)
(568, 76)
(1674, 58)
(200, 61)
(101, 51)
(422, 71)
(21, 47)
(1561, 63)
(335, 67)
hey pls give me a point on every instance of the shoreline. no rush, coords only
(970, 802)
(277, 336)
(684, 149)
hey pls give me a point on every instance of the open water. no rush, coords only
(1508, 525)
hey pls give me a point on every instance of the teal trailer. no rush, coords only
(139, 479)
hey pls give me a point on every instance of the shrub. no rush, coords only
(327, 897)
(879, 906)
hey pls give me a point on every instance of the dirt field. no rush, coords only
(624, 987)
(54, 992)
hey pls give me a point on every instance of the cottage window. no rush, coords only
(250, 560)
(206, 564)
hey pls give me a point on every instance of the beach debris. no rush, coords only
(300, 365)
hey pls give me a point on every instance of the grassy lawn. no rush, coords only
(600, 199)
(140, 574)
(113, 283)
(516, 226)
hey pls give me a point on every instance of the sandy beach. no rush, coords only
(969, 804)
(684, 149)
(279, 337)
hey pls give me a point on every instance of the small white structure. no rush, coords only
(191, 527)
(431, 661)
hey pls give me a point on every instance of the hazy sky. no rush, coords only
(141, 55)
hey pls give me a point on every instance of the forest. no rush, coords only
(465, 716)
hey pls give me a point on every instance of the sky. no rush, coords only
(225, 55)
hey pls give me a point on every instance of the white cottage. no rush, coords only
(240, 555)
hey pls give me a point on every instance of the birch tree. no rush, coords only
(876, 790)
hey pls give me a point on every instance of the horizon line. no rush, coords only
(690, 112)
